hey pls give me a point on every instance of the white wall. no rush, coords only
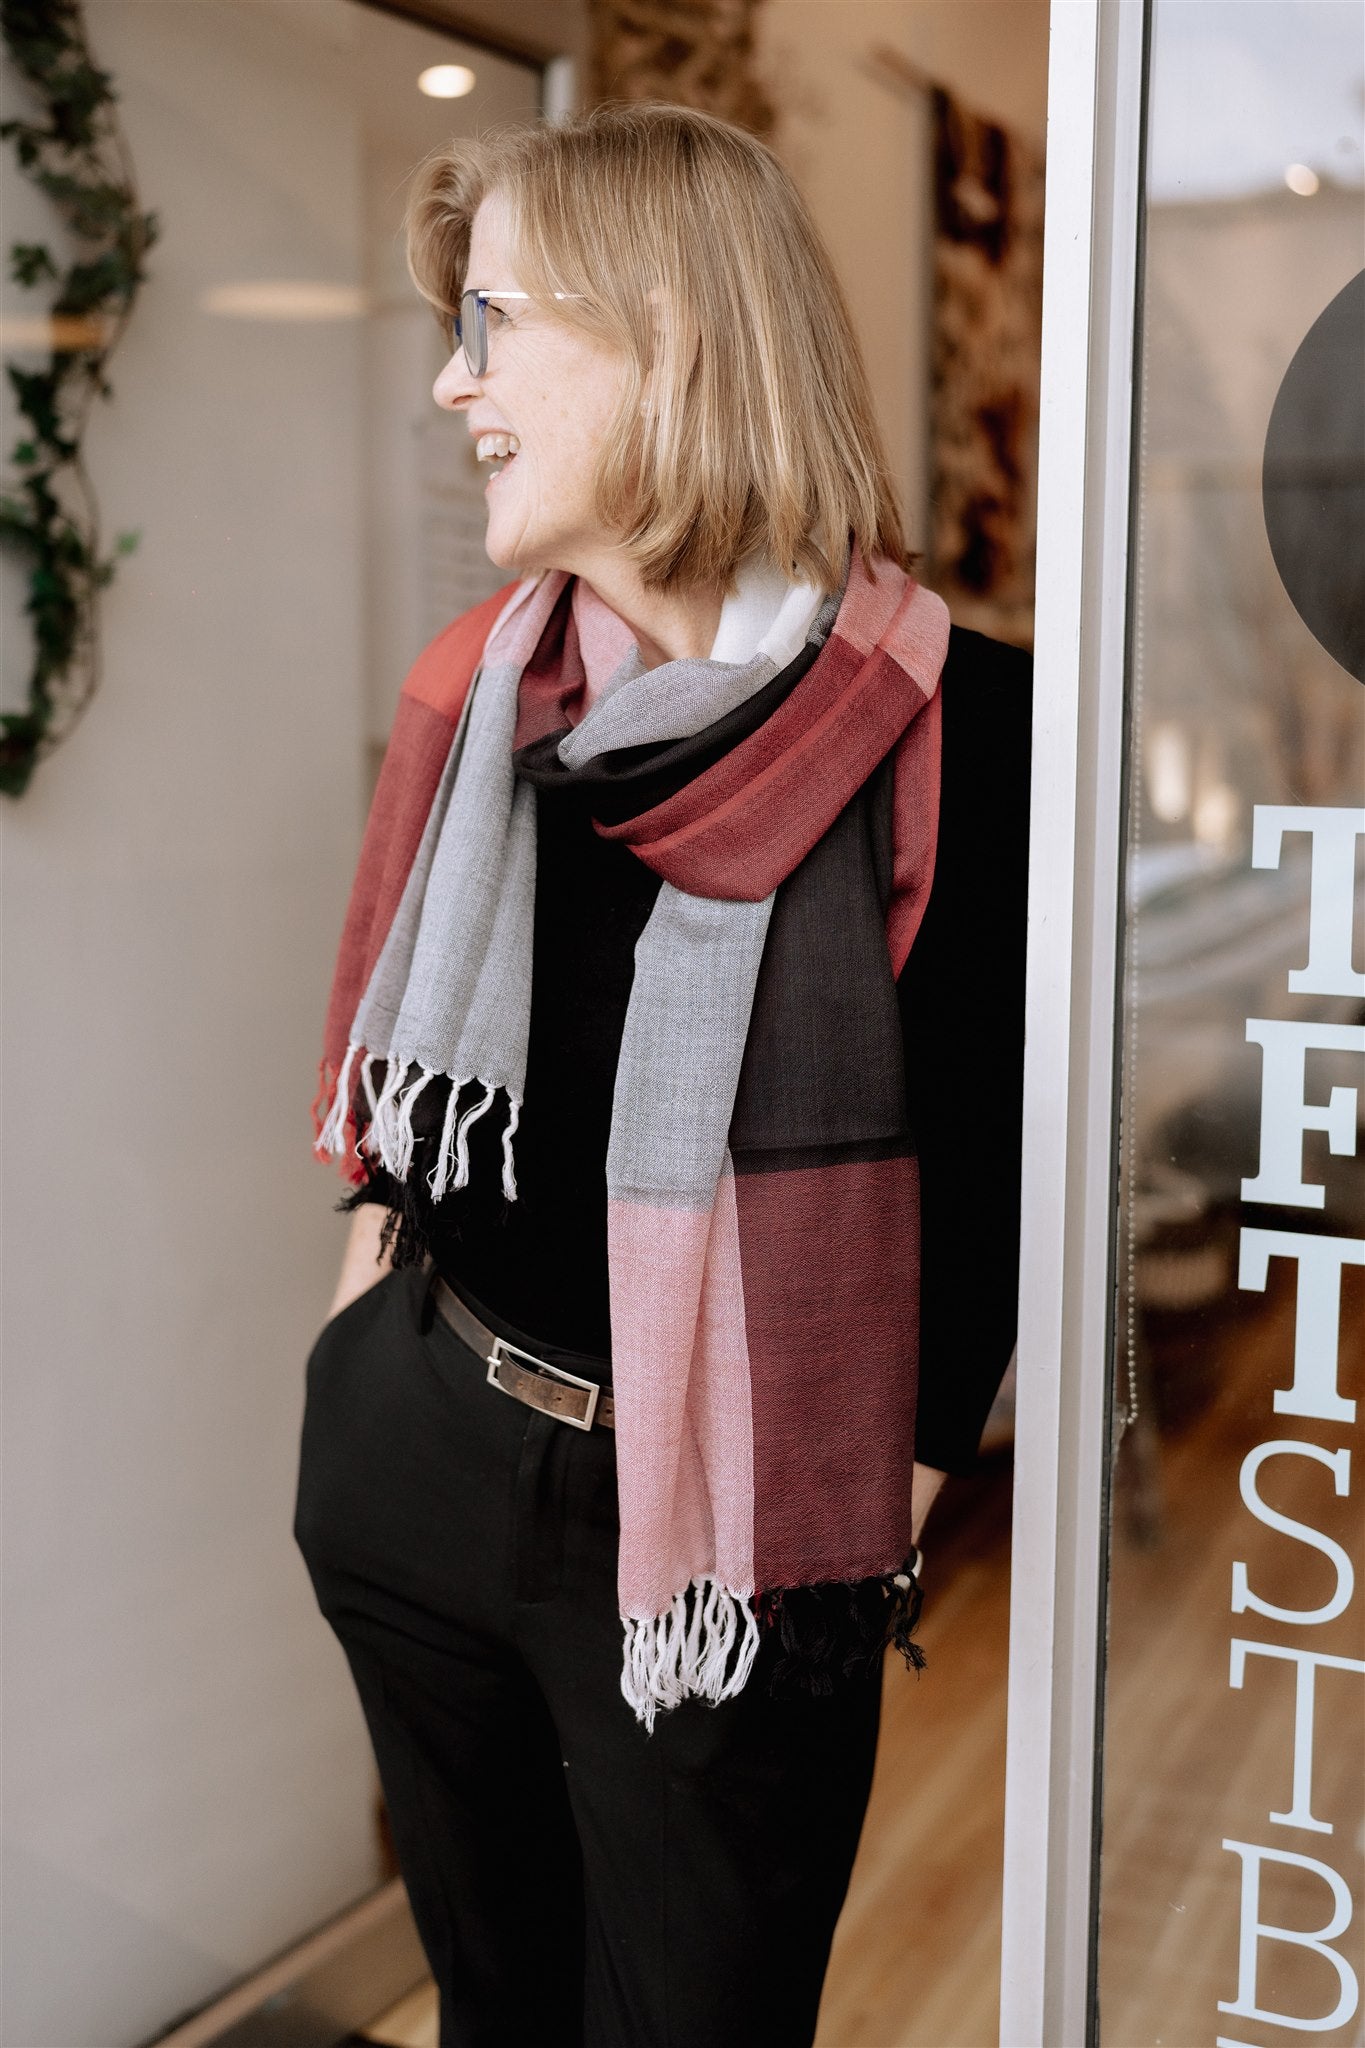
(187, 1782)
(859, 148)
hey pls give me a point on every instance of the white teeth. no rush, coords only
(496, 447)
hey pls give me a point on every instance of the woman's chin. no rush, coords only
(518, 555)
(502, 553)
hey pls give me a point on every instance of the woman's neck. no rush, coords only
(668, 624)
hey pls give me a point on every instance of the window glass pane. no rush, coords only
(1235, 1707)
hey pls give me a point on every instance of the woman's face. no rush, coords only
(555, 389)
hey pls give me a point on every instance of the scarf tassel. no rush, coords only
(906, 1596)
(381, 1140)
(703, 1645)
(471, 1116)
(403, 1134)
(509, 1178)
(331, 1138)
(438, 1180)
(389, 1135)
(452, 1154)
(840, 1629)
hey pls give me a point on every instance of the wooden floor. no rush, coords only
(915, 1961)
(1190, 1761)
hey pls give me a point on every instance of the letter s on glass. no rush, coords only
(1338, 1464)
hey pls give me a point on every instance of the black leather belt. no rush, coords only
(579, 1402)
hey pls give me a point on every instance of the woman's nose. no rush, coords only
(455, 386)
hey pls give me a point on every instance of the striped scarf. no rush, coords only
(761, 1179)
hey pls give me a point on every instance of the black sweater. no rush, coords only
(539, 1264)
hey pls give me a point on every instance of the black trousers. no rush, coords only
(574, 1880)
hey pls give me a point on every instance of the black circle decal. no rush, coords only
(1313, 478)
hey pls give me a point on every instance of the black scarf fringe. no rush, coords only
(839, 1629)
(403, 1235)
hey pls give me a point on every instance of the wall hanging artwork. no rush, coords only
(73, 150)
(698, 53)
(988, 296)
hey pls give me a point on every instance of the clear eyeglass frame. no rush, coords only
(470, 324)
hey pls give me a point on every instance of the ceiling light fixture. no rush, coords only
(446, 81)
(1300, 179)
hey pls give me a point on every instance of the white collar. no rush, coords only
(767, 614)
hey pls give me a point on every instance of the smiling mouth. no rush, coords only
(498, 449)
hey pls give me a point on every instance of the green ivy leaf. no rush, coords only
(75, 156)
(87, 286)
(30, 263)
(18, 535)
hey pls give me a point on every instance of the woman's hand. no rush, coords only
(363, 1262)
(925, 1482)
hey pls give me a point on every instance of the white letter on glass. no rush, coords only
(1331, 905)
(1285, 1116)
(1306, 1662)
(1317, 1322)
(1338, 1464)
(1252, 1929)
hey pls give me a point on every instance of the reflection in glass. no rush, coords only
(1235, 1702)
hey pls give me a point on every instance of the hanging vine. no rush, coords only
(75, 153)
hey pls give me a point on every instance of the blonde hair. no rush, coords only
(689, 249)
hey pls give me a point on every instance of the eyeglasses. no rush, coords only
(471, 323)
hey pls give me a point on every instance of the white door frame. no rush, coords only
(1070, 1190)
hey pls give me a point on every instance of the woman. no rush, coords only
(685, 944)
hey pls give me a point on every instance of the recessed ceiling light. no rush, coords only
(285, 299)
(446, 81)
(1300, 179)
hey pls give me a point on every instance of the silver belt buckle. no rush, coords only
(502, 1349)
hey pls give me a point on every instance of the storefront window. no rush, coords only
(1234, 1709)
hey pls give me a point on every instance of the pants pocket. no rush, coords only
(361, 1309)
(344, 1373)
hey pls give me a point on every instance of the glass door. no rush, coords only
(1185, 1821)
(1234, 1708)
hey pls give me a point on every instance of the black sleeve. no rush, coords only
(962, 1017)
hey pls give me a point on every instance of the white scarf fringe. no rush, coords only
(438, 1180)
(390, 1136)
(405, 1141)
(680, 1654)
(509, 1178)
(471, 1116)
(381, 1139)
(332, 1137)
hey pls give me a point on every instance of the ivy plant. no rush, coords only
(74, 151)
